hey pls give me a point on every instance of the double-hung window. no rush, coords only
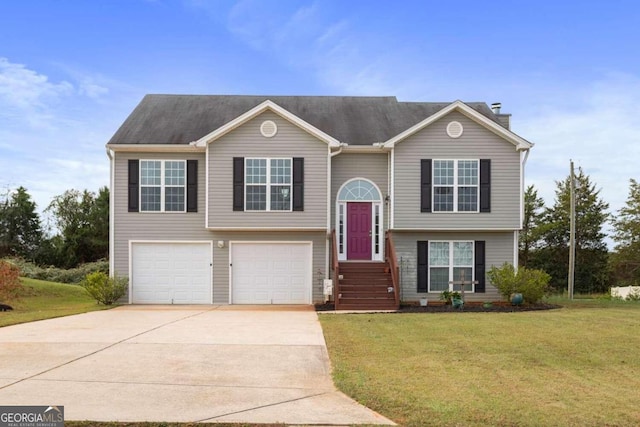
(455, 185)
(268, 184)
(450, 262)
(162, 185)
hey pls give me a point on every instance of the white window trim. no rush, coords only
(163, 186)
(268, 184)
(451, 266)
(455, 186)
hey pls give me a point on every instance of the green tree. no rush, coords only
(20, 229)
(82, 219)
(591, 274)
(626, 260)
(531, 233)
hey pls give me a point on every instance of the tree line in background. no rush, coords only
(544, 240)
(80, 228)
(81, 224)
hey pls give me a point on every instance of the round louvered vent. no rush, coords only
(454, 129)
(268, 129)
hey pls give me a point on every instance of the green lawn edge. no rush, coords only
(42, 300)
(574, 366)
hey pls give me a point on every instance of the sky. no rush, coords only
(72, 70)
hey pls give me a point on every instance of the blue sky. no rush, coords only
(72, 70)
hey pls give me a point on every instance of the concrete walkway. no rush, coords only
(178, 364)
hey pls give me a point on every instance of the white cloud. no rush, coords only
(343, 59)
(597, 127)
(26, 89)
(92, 90)
(52, 134)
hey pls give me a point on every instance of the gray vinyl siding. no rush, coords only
(498, 250)
(190, 227)
(246, 141)
(476, 143)
(221, 257)
(153, 225)
(347, 166)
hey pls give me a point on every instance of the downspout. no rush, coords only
(329, 181)
(342, 144)
(392, 162)
(524, 156)
(328, 232)
(516, 255)
(111, 155)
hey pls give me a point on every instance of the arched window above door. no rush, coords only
(359, 190)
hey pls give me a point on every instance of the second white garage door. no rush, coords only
(171, 273)
(271, 273)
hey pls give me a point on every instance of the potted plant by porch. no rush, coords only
(457, 302)
(423, 301)
(516, 298)
(449, 296)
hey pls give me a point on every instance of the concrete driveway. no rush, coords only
(178, 364)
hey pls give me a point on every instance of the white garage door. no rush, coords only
(171, 273)
(271, 273)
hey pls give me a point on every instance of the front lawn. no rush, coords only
(44, 300)
(575, 366)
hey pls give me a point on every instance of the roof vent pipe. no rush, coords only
(495, 107)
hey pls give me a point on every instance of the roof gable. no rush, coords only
(256, 111)
(519, 142)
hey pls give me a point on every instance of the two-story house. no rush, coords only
(259, 199)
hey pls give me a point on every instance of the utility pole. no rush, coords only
(572, 231)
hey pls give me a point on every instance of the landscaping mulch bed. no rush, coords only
(496, 307)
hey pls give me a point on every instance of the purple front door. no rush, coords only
(359, 231)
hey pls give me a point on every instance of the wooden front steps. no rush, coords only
(365, 286)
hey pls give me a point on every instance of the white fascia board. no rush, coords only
(519, 142)
(323, 229)
(259, 109)
(364, 149)
(155, 148)
(456, 230)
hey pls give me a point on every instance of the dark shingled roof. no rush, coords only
(355, 120)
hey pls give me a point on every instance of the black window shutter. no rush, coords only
(192, 186)
(425, 185)
(480, 266)
(298, 184)
(485, 185)
(133, 181)
(423, 266)
(238, 183)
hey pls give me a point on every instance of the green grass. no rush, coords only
(45, 300)
(575, 366)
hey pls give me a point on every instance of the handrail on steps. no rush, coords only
(335, 266)
(392, 260)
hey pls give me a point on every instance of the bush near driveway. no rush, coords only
(104, 289)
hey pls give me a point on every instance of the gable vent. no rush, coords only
(268, 129)
(454, 129)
